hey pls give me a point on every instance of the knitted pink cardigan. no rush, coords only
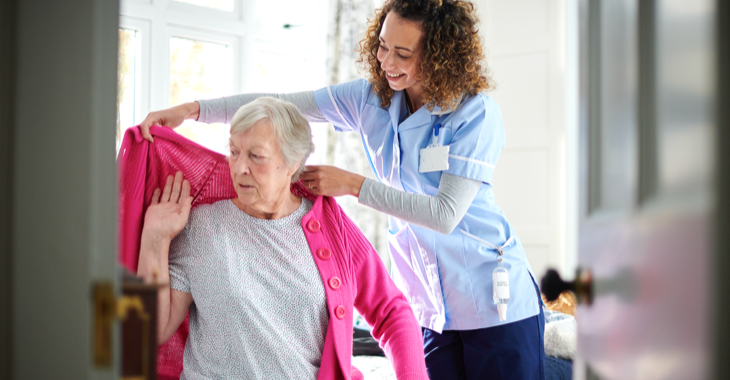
(351, 270)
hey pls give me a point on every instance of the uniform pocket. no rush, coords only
(480, 260)
(400, 261)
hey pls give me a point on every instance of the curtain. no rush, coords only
(345, 150)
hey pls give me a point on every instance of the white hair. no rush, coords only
(293, 135)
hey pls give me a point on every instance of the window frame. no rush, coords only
(159, 20)
(142, 66)
(175, 31)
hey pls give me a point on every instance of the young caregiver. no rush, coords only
(433, 138)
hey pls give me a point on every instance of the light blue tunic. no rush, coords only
(446, 278)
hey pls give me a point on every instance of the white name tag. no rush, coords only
(434, 158)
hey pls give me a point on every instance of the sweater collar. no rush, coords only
(298, 188)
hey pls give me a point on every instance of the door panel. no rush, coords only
(646, 196)
(62, 184)
(616, 76)
(685, 95)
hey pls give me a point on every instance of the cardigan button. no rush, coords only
(340, 312)
(324, 253)
(335, 282)
(313, 225)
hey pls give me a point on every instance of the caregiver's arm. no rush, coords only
(164, 219)
(222, 110)
(441, 213)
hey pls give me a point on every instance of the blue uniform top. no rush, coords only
(446, 278)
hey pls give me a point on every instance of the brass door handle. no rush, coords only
(107, 309)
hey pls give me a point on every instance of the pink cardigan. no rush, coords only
(351, 270)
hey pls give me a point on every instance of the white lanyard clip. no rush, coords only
(500, 283)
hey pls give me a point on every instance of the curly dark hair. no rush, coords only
(452, 61)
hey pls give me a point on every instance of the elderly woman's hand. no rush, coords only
(331, 181)
(168, 213)
(172, 117)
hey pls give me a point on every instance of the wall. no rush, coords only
(532, 61)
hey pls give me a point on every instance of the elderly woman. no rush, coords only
(270, 277)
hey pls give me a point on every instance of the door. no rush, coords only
(647, 188)
(57, 184)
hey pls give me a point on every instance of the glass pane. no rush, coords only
(201, 70)
(223, 5)
(281, 73)
(126, 80)
(686, 88)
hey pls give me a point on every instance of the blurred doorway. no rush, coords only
(649, 189)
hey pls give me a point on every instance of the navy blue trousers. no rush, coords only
(512, 351)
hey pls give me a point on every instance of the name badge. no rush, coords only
(434, 157)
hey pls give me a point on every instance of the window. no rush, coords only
(179, 51)
(201, 70)
(133, 74)
(126, 78)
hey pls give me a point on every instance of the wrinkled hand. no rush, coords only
(167, 215)
(331, 181)
(172, 117)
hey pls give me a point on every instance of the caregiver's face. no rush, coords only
(399, 53)
(260, 174)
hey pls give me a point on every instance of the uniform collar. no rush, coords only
(421, 117)
(399, 99)
(438, 111)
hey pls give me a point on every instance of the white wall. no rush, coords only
(532, 61)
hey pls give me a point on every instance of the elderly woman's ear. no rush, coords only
(296, 171)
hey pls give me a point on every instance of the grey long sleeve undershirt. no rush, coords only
(441, 213)
(222, 110)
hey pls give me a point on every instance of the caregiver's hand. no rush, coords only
(168, 213)
(172, 117)
(331, 181)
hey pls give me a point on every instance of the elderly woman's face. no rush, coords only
(399, 53)
(260, 175)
